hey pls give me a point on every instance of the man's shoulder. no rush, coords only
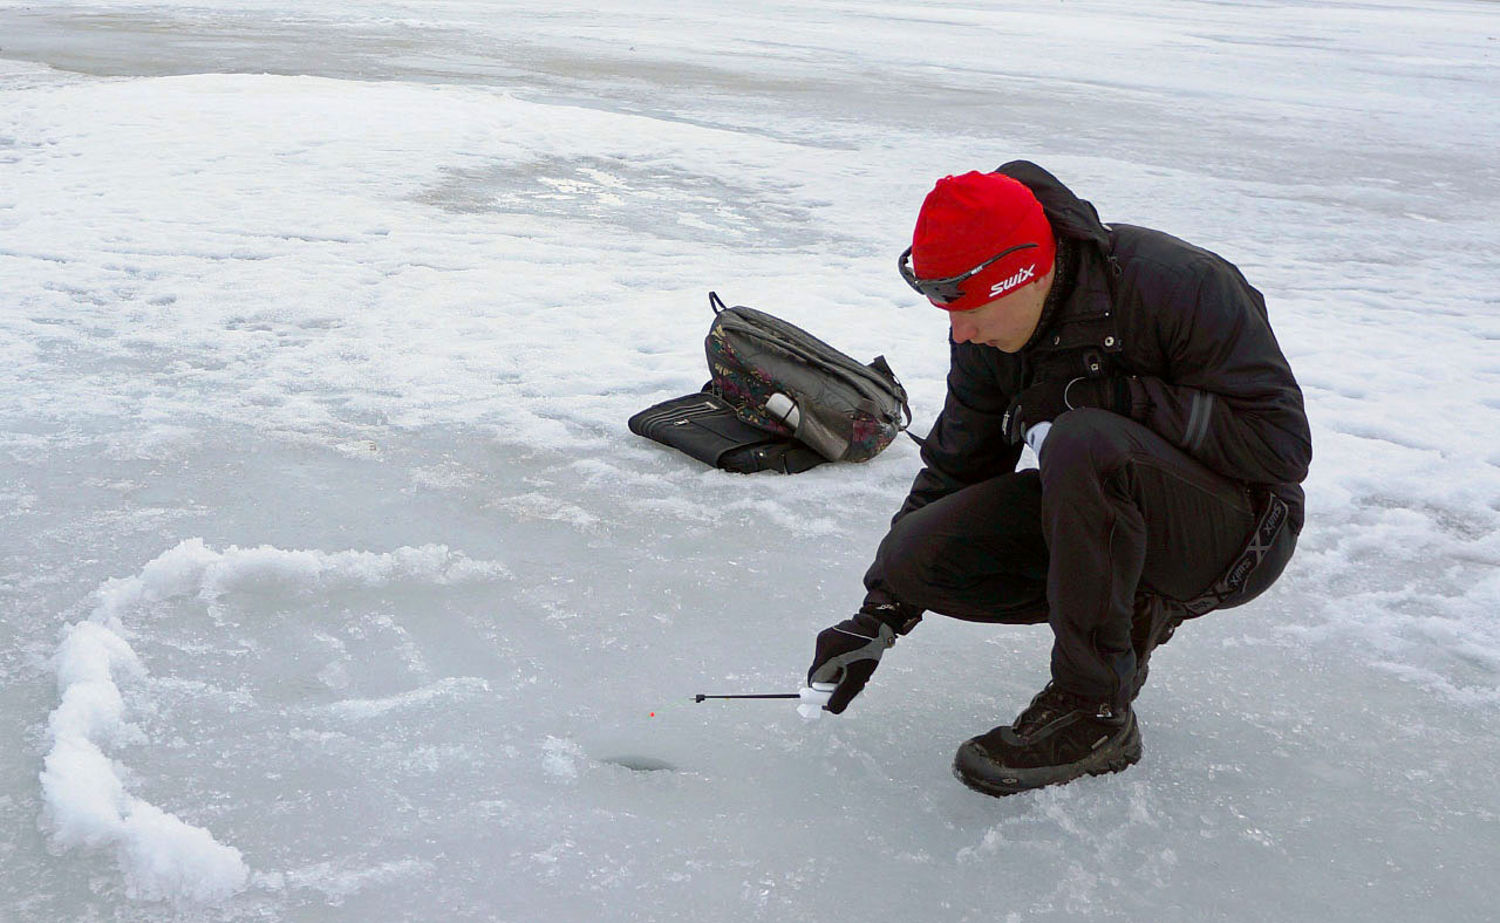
(1162, 263)
(1160, 250)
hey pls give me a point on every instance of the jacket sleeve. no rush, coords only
(1231, 401)
(967, 443)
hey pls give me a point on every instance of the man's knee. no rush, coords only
(1084, 440)
(927, 556)
(910, 556)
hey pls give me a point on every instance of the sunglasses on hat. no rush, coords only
(949, 290)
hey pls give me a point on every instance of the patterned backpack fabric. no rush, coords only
(780, 400)
(785, 381)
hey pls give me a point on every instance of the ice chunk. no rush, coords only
(165, 858)
(85, 802)
(82, 794)
(560, 758)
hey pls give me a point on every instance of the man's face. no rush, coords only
(1005, 323)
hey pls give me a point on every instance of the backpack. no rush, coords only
(779, 399)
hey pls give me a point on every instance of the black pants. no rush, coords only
(1114, 510)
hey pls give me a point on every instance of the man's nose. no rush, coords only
(963, 328)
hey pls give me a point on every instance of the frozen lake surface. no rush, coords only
(333, 587)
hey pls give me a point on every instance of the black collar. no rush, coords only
(1064, 277)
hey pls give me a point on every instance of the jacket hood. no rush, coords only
(1069, 215)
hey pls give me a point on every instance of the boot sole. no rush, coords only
(979, 772)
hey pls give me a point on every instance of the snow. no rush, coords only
(332, 585)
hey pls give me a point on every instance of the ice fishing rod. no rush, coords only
(818, 693)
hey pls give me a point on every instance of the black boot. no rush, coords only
(1059, 737)
(1152, 625)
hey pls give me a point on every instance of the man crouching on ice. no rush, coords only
(1171, 437)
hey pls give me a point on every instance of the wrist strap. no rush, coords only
(900, 618)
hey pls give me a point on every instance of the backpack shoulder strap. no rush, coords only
(880, 365)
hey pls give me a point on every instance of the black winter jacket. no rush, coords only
(1205, 369)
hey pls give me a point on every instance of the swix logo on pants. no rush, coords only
(1005, 285)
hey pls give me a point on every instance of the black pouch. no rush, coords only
(704, 426)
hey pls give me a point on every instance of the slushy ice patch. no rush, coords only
(658, 200)
(86, 803)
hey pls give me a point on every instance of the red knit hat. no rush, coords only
(968, 219)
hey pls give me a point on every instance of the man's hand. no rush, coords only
(847, 655)
(1045, 401)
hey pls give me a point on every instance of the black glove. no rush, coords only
(1045, 401)
(847, 654)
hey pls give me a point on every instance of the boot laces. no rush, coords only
(1049, 705)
